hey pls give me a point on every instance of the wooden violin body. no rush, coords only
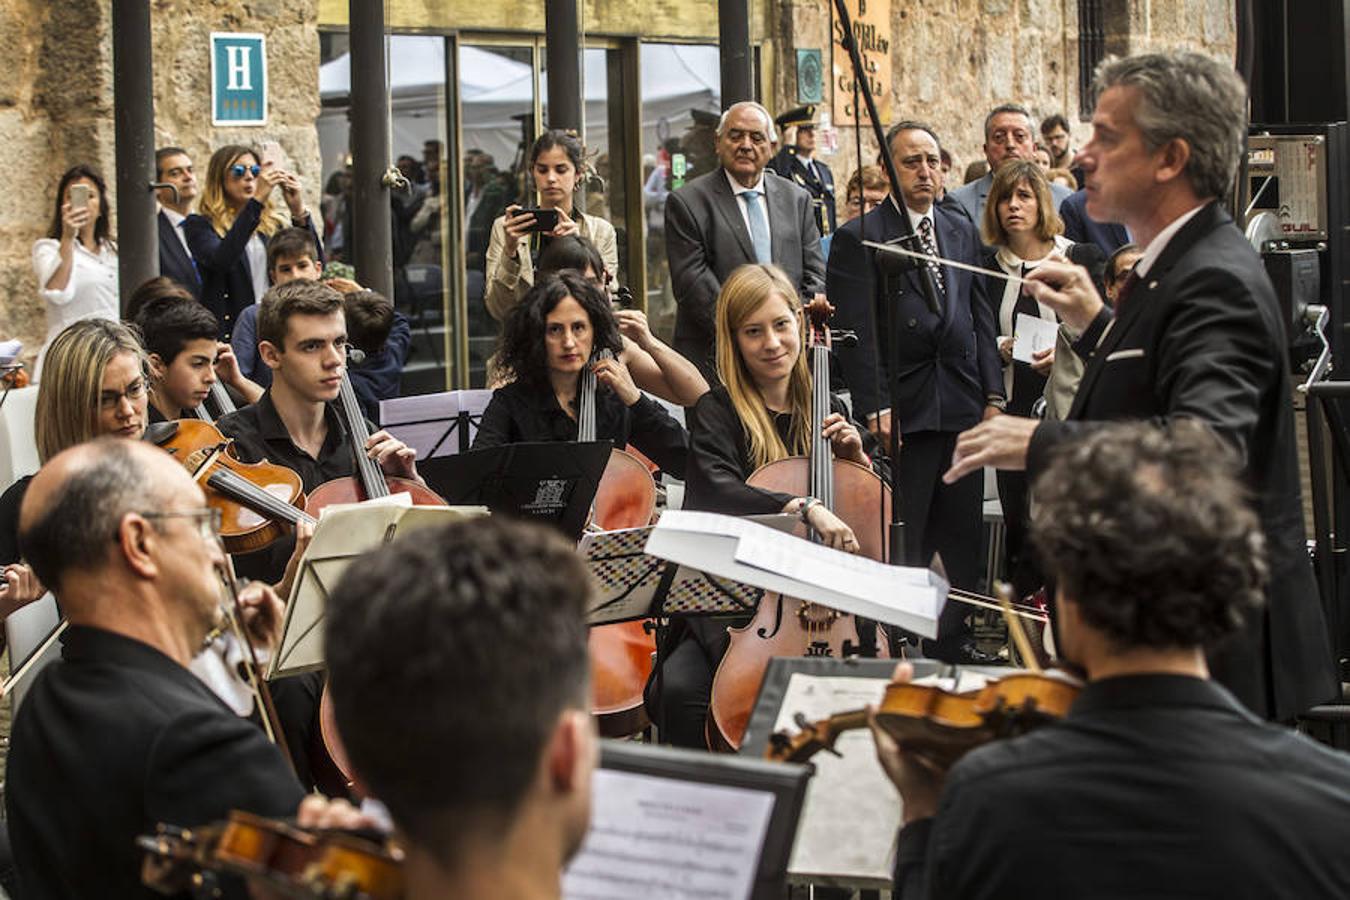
(293, 861)
(256, 500)
(938, 724)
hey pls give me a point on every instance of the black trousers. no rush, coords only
(1023, 570)
(296, 698)
(678, 693)
(940, 518)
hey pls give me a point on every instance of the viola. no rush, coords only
(294, 861)
(938, 724)
(256, 500)
(784, 626)
(621, 654)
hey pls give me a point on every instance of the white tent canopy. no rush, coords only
(675, 79)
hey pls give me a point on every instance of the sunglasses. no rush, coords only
(238, 170)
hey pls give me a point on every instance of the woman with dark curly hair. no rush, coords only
(554, 334)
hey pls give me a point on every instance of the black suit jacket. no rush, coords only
(113, 739)
(1153, 786)
(1201, 336)
(227, 280)
(1080, 228)
(174, 261)
(706, 240)
(949, 362)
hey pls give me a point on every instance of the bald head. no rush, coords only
(75, 504)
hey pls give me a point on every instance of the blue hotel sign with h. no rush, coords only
(238, 79)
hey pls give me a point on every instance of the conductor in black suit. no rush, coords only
(174, 166)
(118, 735)
(1196, 333)
(735, 215)
(950, 376)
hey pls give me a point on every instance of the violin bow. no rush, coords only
(1015, 629)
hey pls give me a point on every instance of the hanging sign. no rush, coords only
(238, 79)
(871, 29)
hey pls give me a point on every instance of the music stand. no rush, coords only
(427, 422)
(552, 482)
(659, 816)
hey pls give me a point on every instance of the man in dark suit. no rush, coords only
(1196, 333)
(174, 166)
(1157, 773)
(731, 216)
(949, 372)
(796, 161)
(1081, 228)
(118, 735)
(1009, 133)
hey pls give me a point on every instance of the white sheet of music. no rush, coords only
(665, 839)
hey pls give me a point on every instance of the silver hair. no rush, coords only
(1190, 97)
(768, 119)
(1016, 109)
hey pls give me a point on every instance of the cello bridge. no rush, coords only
(815, 618)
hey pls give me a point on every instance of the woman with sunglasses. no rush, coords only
(76, 263)
(228, 235)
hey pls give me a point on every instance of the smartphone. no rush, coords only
(79, 195)
(544, 219)
(269, 153)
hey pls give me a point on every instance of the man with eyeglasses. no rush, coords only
(1009, 133)
(118, 736)
(731, 216)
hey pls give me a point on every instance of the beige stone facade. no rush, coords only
(951, 60)
(56, 110)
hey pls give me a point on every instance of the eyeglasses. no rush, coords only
(108, 400)
(238, 170)
(207, 520)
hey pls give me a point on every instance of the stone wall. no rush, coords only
(57, 110)
(952, 60)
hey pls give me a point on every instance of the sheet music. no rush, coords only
(1032, 334)
(661, 838)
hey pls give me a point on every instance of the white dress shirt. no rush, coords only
(176, 220)
(740, 191)
(1160, 241)
(90, 291)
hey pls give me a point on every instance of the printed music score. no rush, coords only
(656, 837)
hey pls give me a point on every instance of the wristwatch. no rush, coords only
(996, 402)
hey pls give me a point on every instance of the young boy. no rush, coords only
(292, 255)
(179, 336)
(383, 336)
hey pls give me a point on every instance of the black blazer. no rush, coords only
(174, 261)
(227, 280)
(1079, 227)
(1201, 336)
(706, 240)
(949, 361)
(113, 739)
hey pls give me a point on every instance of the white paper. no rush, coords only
(658, 838)
(422, 420)
(851, 815)
(1032, 335)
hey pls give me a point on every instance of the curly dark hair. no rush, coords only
(521, 352)
(445, 727)
(1151, 532)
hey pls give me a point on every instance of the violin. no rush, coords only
(621, 653)
(785, 626)
(294, 861)
(256, 500)
(938, 724)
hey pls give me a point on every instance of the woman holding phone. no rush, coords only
(76, 263)
(557, 161)
(228, 236)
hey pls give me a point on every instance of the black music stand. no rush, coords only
(552, 482)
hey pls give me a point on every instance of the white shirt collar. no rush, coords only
(737, 188)
(175, 218)
(1160, 241)
(914, 217)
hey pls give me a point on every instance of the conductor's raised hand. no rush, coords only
(613, 374)
(18, 588)
(918, 779)
(844, 439)
(1068, 290)
(1000, 441)
(395, 457)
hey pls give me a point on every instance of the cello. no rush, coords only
(621, 653)
(783, 626)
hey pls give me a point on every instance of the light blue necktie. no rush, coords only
(759, 227)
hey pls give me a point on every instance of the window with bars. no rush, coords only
(1091, 50)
